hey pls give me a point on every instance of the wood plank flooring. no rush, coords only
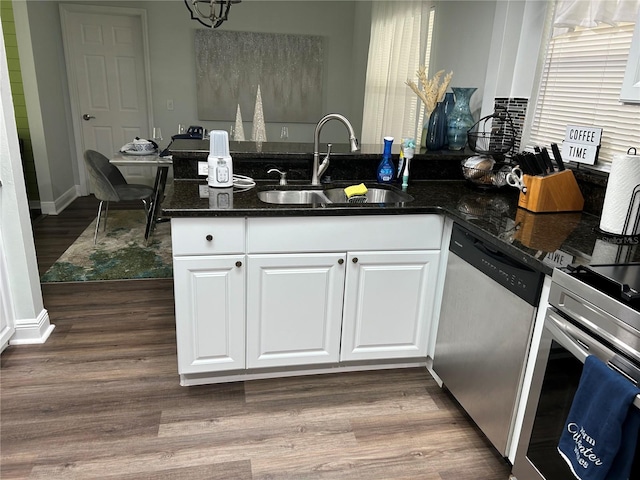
(101, 399)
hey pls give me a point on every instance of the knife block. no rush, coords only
(557, 192)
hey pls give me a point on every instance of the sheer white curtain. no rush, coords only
(399, 33)
(571, 14)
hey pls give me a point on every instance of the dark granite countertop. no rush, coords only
(541, 240)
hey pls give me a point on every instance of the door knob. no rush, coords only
(87, 117)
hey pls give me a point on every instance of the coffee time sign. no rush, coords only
(581, 144)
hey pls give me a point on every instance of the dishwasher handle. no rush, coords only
(499, 256)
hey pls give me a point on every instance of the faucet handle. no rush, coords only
(325, 161)
(283, 175)
(329, 145)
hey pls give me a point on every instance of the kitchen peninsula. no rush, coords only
(267, 290)
(273, 290)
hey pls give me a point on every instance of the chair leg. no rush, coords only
(106, 214)
(95, 234)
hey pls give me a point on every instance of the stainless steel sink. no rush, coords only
(307, 196)
(373, 195)
(298, 197)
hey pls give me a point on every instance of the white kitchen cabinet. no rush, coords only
(309, 309)
(388, 304)
(209, 286)
(294, 309)
(262, 297)
(209, 303)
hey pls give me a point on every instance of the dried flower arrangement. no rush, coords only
(432, 90)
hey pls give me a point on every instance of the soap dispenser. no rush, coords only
(386, 168)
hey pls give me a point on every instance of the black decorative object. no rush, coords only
(210, 13)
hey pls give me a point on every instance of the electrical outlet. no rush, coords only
(170, 104)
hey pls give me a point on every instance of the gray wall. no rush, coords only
(462, 44)
(461, 38)
(171, 35)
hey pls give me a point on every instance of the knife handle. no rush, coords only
(557, 156)
(534, 163)
(521, 159)
(544, 153)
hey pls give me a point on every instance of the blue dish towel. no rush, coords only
(601, 431)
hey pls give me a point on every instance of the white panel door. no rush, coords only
(294, 309)
(388, 304)
(209, 303)
(108, 80)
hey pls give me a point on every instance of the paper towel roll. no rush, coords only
(619, 198)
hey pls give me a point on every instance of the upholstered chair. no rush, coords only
(109, 185)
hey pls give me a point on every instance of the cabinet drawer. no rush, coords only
(339, 234)
(204, 236)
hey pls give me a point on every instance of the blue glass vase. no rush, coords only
(437, 134)
(460, 119)
(437, 128)
(449, 102)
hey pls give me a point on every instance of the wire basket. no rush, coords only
(498, 140)
(496, 177)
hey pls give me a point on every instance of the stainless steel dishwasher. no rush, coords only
(486, 321)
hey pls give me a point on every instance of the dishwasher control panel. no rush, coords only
(512, 274)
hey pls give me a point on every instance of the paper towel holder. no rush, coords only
(635, 237)
(631, 222)
(628, 222)
(635, 196)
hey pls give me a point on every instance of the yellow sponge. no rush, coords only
(355, 190)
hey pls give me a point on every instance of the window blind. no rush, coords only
(580, 85)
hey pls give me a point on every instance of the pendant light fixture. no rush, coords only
(210, 13)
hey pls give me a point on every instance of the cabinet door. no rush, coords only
(388, 304)
(294, 309)
(209, 301)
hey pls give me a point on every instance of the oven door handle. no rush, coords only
(581, 345)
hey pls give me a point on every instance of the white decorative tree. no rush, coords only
(259, 133)
(238, 132)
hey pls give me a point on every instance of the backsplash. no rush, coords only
(593, 186)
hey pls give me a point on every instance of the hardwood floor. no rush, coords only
(100, 399)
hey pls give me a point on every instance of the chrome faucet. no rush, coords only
(320, 168)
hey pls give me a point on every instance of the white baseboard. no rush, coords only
(32, 330)
(60, 203)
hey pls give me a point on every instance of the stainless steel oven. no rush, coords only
(588, 315)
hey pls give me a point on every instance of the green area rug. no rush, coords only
(120, 252)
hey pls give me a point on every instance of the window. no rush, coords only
(580, 84)
(401, 33)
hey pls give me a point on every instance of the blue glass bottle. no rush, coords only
(386, 168)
